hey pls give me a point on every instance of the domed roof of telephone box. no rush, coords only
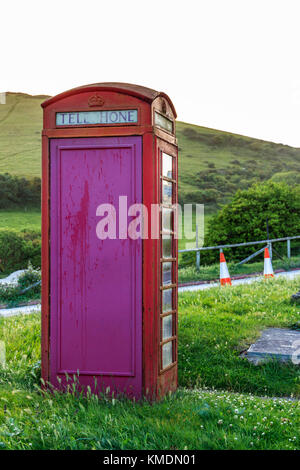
(142, 92)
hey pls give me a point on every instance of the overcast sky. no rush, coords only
(226, 64)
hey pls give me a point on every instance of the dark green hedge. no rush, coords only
(18, 248)
(244, 220)
(16, 192)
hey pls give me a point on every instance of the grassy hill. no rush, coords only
(20, 134)
(212, 164)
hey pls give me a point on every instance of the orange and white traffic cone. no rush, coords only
(224, 273)
(268, 269)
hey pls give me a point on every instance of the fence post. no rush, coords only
(288, 243)
(270, 250)
(197, 252)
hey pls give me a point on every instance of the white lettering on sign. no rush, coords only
(83, 118)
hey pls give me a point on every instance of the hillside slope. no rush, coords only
(212, 164)
(20, 134)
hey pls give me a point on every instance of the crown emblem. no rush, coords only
(95, 100)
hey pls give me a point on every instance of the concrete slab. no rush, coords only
(277, 344)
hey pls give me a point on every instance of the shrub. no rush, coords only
(9, 293)
(16, 192)
(29, 277)
(17, 249)
(244, 218)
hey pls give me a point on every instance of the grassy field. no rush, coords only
(208, 159)
(217, 324)
(216, 407)
(19, 220)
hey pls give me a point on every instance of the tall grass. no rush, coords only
(214, 326)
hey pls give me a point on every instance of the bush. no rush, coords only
(13, 294)
(17, 249)
(244, 218)
(29, 277)
(9, 294)
(16, 192)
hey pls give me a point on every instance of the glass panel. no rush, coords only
(167, 246)
(167, 326)
(167, 300)
(167, 165)
(163, 122)
(167, 273)
(167, 354)
(167, 192)
(167, 219)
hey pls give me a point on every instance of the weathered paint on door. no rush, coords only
(95, 285)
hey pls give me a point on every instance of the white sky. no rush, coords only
(226, 64)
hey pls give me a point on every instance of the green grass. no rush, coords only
(20, 135)
(188, 420)
(20, 219)
(214, 326)
(211, 272)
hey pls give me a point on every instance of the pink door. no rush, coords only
(96, 284)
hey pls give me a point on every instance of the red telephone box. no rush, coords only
(109, 278)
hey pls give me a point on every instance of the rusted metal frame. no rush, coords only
(151, 298)
(169, 286)
(168, 340)
(170, 312)
(162, 134)
(170, 366)
(170, 180)
(173, 286)
(74, 132)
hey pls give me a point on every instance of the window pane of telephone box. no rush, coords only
(167, 219)
(167, 327)
(167, 300)
(167, 246)
(167, 165)
(167, 273)
(167, 353)
(167, 192)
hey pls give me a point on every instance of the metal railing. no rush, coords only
(268, 243)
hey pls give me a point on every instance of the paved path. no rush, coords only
(9, 312)
(235, 282)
